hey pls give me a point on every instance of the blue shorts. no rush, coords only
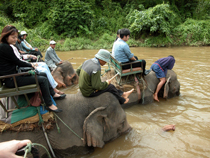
(158, 71)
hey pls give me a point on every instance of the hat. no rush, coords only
(52, 42)
(23, 33)
(103, 55)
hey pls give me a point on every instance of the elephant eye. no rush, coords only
(122, 123)
(121, 126)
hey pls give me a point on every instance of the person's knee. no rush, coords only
(163, 80)
(144, 62)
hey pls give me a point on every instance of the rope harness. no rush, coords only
(28, 149)
(68, 127)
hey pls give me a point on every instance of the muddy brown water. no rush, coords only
(190, 112)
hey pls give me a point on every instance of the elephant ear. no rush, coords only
(166, 88)
(94, 126)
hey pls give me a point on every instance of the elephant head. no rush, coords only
(169, 90)
(172, 85)
(65, 75)
(95, 119)
(101, 126)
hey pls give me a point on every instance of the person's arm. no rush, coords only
(9, 148)
(78, 70)
(53, 57)
(12, 58)
(22, 52)
(96, 81)
(25, 46)
(57, 57)
(29, 56)
(128, 52)
(133, 58)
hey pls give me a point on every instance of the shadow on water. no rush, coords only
(190, 112)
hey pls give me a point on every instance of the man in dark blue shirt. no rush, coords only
(160, 68)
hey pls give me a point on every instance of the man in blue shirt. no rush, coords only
(160, 68)
(122, 53)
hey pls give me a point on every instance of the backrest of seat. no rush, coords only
(115, 64)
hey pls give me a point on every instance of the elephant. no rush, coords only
(65, 75)
(148, 86)
(97, 120)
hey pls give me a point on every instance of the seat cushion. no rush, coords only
(4, 89)
(134, 69)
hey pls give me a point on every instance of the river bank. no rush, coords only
(190, 33)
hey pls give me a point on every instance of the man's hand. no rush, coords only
(36, 49)
(8, 149)
(133, 58)
(22, 52)
(35, 64)
(108, 81)
(60, 63)
(32, 57)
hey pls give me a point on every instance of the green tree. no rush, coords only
(71, 17)
(157, 20)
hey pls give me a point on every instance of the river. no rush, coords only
(190, 112)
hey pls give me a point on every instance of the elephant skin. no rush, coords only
(97, 120)
(169, 90)
(65, 75)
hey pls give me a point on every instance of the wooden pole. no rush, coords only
(113, 77)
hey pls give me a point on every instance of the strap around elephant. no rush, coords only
(68, 127)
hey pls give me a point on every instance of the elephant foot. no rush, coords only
(126, 94)
(155, 97)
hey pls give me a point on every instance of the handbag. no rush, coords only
(24, 69)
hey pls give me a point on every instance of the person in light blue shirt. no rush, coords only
(121, 51)
(27, 48)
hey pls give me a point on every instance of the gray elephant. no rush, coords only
(97, 120)
(169, 90)
(65, 75)
(147, 87)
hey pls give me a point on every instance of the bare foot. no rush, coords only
(56, 95)
(53, 107)
(126, 94)
(155, 97)
(126, 100)
(57, 91)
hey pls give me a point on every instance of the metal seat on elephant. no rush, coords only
(23, 90)
(127, 72)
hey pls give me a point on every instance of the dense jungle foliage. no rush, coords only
(92, 24)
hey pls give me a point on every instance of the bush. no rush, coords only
(157, 20)
(193, 31)
(71, 18)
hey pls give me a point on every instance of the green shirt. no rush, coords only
(90, 77)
